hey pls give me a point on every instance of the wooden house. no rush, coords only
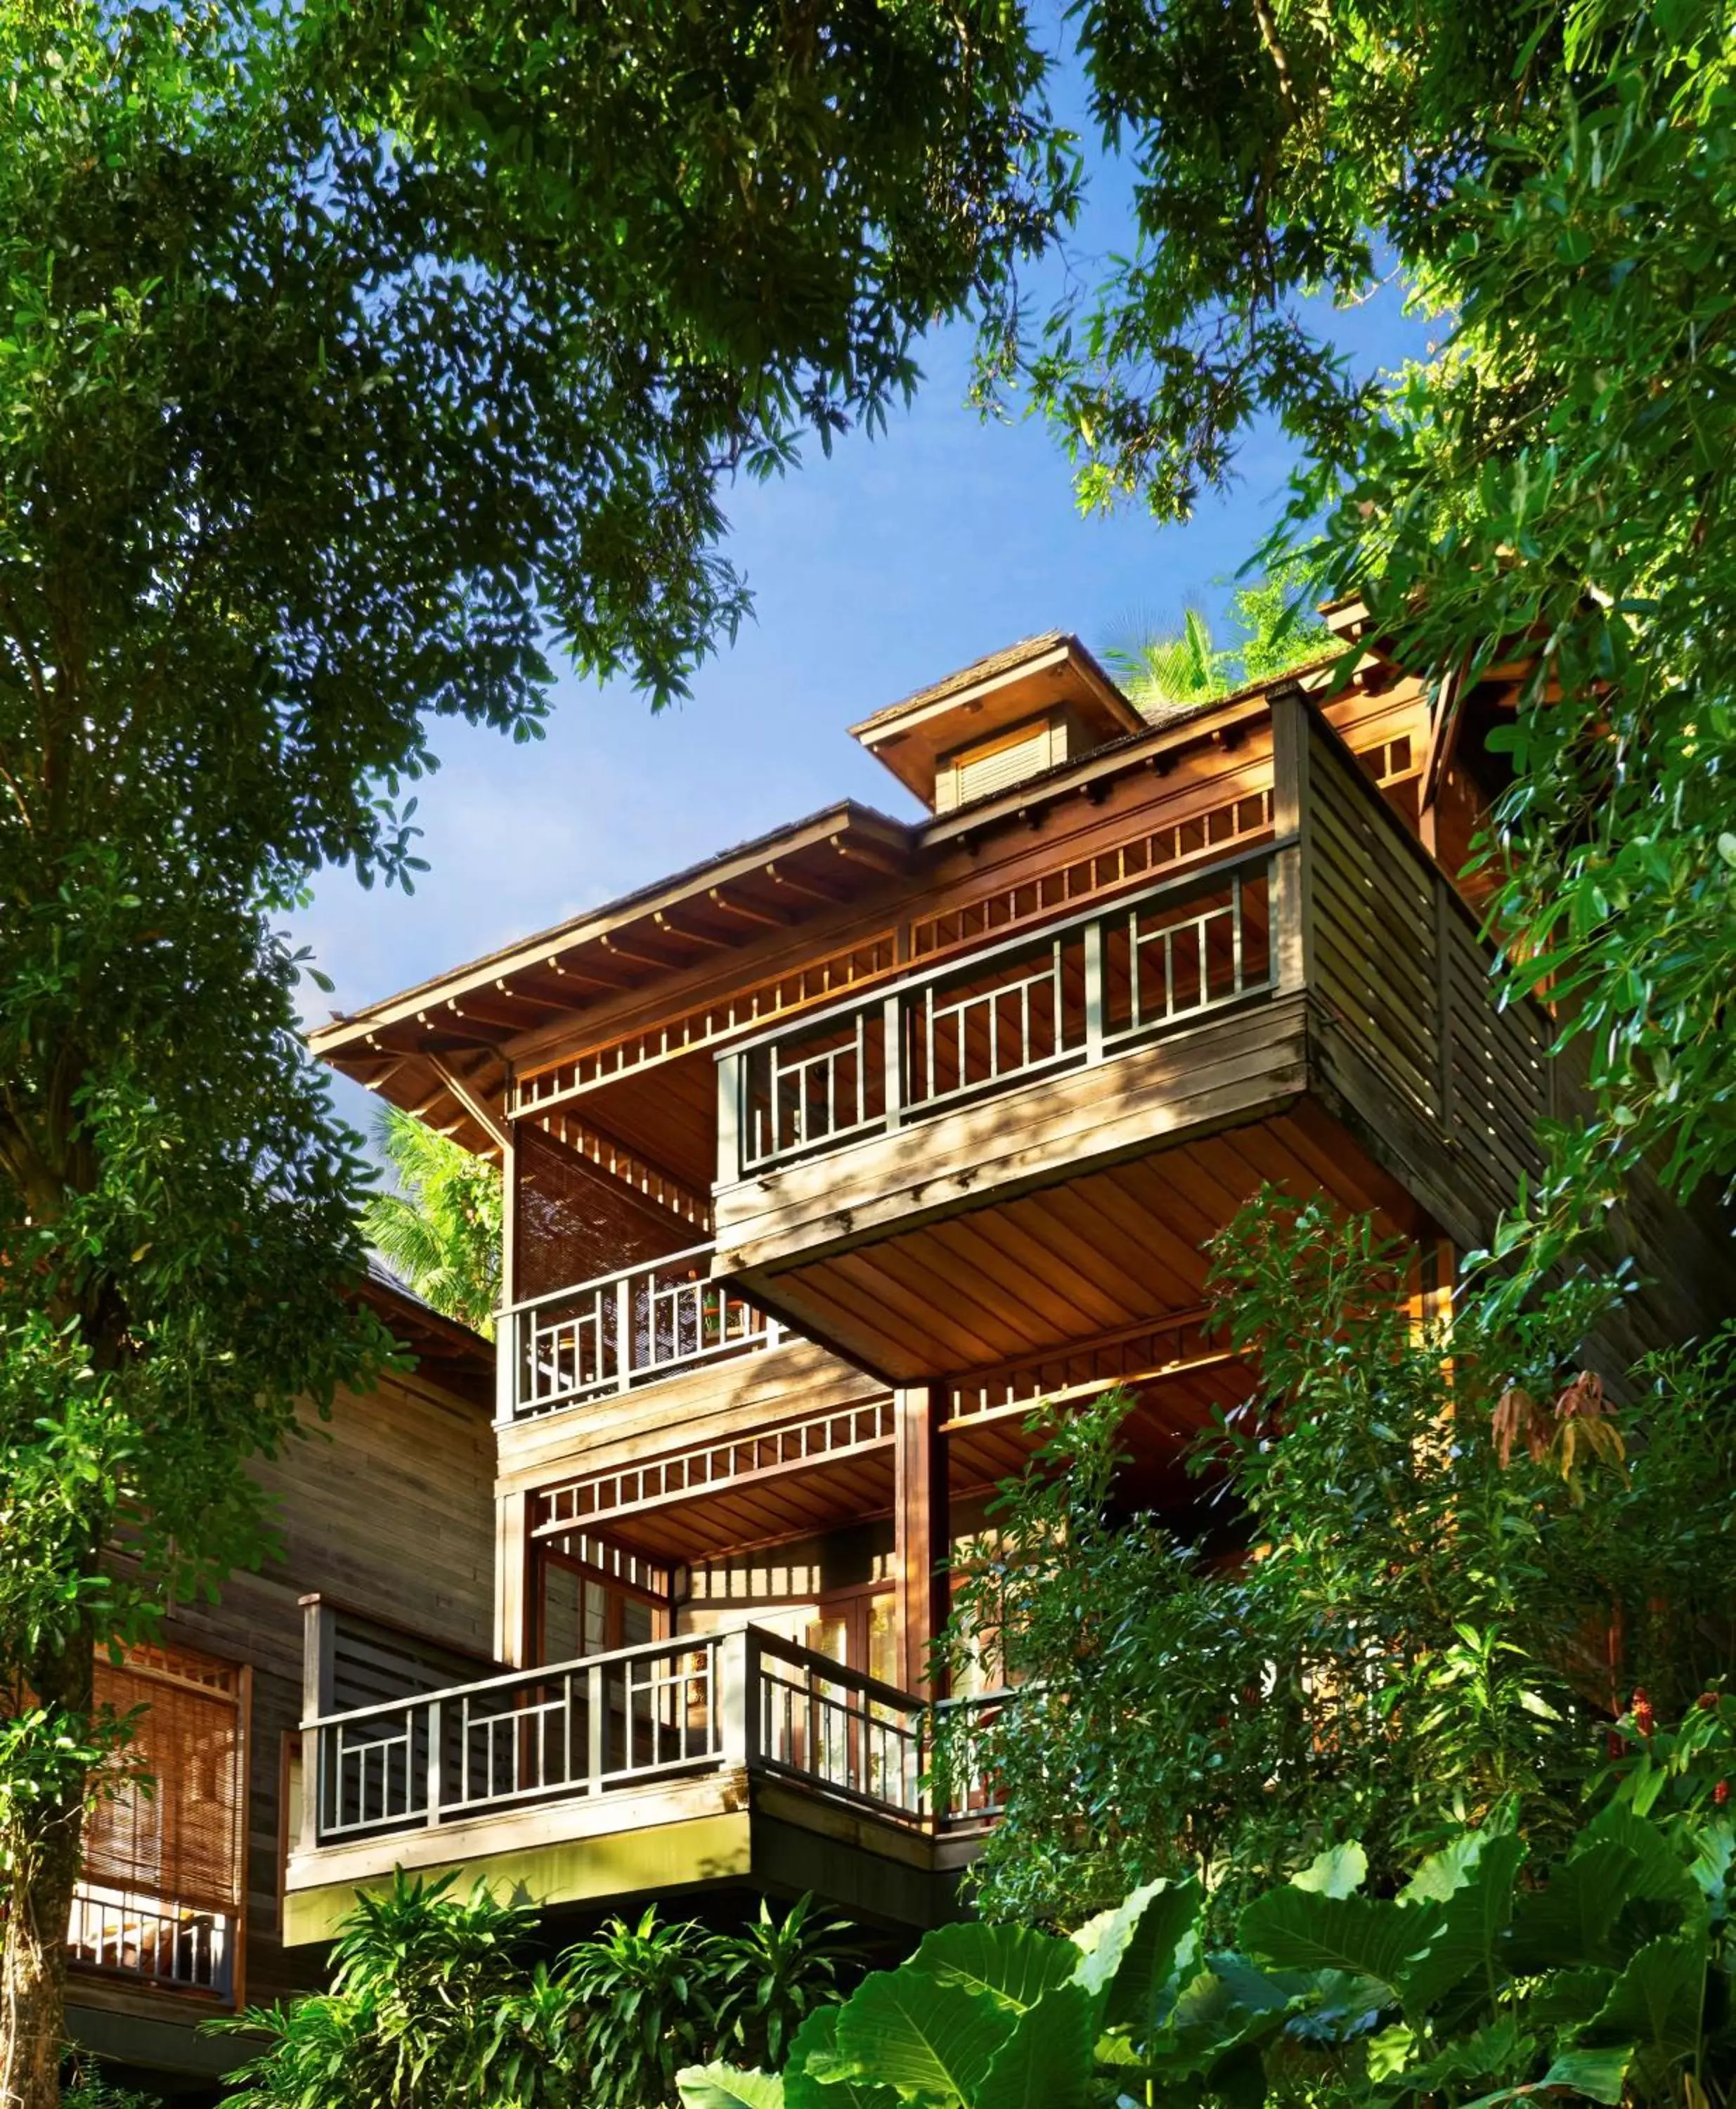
(385, 1523)
(828, 1157)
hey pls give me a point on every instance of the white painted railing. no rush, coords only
(1079, 992)
(621, 1331)
(151, 1941)
(670, 1708)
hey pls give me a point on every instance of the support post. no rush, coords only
(318, 1684)
(436, 1758)
(515, 1638)
(924, 1536)
(735, 1677)
(506, 1329)
(1094, 992)
(1292, 921)
(892, 1059)
(728, 1118)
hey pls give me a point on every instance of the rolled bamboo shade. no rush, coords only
(181, 1838)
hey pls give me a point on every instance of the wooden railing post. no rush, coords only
(1094, 993)
(507, 1363)
(623, 1333)
(735, 1677)
(923, 1531)
(892, 1058)
(318, 1683)
(1292, 921)
(596, 1721)
(730, 1115)
(436, 1758)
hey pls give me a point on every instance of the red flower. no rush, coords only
(1641, 1710)
(1616, 1743)
(1721, 1793)
(1707, 1702)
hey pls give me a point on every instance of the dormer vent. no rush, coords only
(1000, 721)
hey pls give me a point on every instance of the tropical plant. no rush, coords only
(434, 2002)
(87, 2089)
(1165, 675)
(1606, 1974)
(440, 2000)
(1422, 1564)
(439, 1228)
(644, 1997)
(764, 1980)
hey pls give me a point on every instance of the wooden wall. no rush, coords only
(387, 1505)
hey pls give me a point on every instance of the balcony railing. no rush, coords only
(670, 1710)
(146, 1939)
(1078, 992)
(622, 1330)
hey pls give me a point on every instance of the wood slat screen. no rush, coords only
(182, 1839)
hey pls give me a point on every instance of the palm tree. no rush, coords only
(1162, 676)
(1166, 674)
(439, 1231)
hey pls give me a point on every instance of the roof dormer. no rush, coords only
(1000, 721)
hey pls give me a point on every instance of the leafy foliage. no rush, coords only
(1164, 675)
(441, 2001)
(1604, 1975)
(439, 1231)
(1392, 1616)
(352, 353)
(1552, 486)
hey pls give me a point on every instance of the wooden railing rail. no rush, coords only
(623, 1330)
(1073, 993)
(669, 1709)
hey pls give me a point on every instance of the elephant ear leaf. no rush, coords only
(815, 2076)
(1339, 1872)
(1298, 1929)
(1572, 1922)
(722, 2087)
(1471, 1922)
(1133, 1958)
(1047, 2061)
(1661, 1875)
(1013, 1964)
(1655, 2006)
(910, 2032)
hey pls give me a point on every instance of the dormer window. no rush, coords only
(1010, 757)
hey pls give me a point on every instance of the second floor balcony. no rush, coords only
(1027, 1142)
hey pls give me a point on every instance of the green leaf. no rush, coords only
(1013, 1963)
(908, 2030)
(1130, 1956)
(1302, 1929)
(815, 2079)
(1657, 2002)
(1336, 1872)
(722, 2087)
(1573, 1920)
(1469, 1926)
(1599, 2074)
(1046, 2062)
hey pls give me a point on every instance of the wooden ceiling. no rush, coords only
(1076, 1257)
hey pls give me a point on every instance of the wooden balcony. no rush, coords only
(1026, 1144)
(728, 1759)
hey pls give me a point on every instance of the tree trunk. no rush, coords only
(33, 1966)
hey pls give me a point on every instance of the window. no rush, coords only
(161, 1896)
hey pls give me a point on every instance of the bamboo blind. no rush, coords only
(172, 1823)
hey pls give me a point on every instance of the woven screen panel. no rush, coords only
(575, 1222)
(181, 1838)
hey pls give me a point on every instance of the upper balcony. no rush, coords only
(1027, 1142)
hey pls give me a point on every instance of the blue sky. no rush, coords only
(874, 573)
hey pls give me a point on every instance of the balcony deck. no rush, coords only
(1026, 1145)
(702, 1761)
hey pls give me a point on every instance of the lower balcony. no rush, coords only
(734, 1760)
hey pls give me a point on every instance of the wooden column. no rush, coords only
(1292, 926)
(924, 1539)
(515, 1612)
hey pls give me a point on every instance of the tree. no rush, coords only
(1430, 1569)
(440, 1229)
(1555, 181)
(353, 353)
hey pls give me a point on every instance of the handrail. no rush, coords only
(1199, 879)
(606, 1280)
(836, 1672)
(543, 1673)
